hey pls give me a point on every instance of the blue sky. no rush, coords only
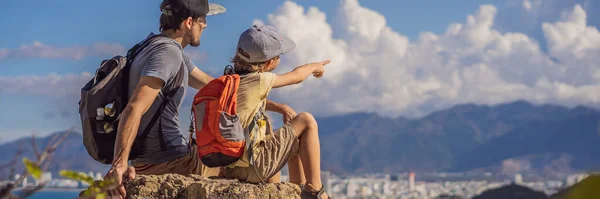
(67, 23)
(98, 29)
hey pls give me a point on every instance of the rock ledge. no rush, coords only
(194, 186)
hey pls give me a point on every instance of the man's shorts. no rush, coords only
(188, 164)
(274, 152)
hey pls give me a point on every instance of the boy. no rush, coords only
(297, 142)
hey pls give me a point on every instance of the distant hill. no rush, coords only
(574, 140)
(512, 191)
(462, 138)
(517, 136)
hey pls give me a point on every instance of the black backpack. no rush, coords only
(104, 98)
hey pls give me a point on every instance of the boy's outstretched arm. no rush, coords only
(300, 73)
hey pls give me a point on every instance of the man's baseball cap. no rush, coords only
(192, 8)
(261, 43)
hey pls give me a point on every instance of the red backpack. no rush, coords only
(220, 137)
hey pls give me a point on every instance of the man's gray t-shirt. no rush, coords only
(162, 59)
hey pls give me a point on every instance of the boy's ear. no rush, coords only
(270, 62)
(267, 64)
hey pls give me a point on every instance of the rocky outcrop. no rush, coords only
(194, 186)
(446, 196)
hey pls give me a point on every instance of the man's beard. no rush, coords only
(195, 42)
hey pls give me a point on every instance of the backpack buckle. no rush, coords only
(228, 70)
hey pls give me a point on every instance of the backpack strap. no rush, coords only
(253, 127)
(131, 54)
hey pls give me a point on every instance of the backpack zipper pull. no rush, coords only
(191, 128)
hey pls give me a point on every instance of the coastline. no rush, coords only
(54, 189)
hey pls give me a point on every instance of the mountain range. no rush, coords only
(512, 137)
(70, 154)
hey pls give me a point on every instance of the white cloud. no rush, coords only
(40, 50)
(53, 85)
(530, 6)
(375, 68)
(527, 5)
(58, 95)
(527, 16)
(571, 39)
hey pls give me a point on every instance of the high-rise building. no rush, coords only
(351, 189)
(45, 178)
(518, 179)
(24, 182)
(411, 181)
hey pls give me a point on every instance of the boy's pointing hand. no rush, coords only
(319, 68)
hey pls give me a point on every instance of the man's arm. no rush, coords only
(198, 78)
(143, 96)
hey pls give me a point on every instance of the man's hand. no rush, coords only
(115, 175)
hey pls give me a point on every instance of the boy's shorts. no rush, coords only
(274, 152)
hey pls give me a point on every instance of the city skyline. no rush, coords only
(384, 185)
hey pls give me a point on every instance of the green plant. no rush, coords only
(33, 168)
(36, 168)
(97, 189)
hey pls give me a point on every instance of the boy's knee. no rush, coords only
(308, 119)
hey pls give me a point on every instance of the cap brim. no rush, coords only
(215, 9)
(287, 44)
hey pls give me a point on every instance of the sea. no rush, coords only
(56, 193)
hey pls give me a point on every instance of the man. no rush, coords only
(181, 24)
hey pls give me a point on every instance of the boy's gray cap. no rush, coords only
(261, 43)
